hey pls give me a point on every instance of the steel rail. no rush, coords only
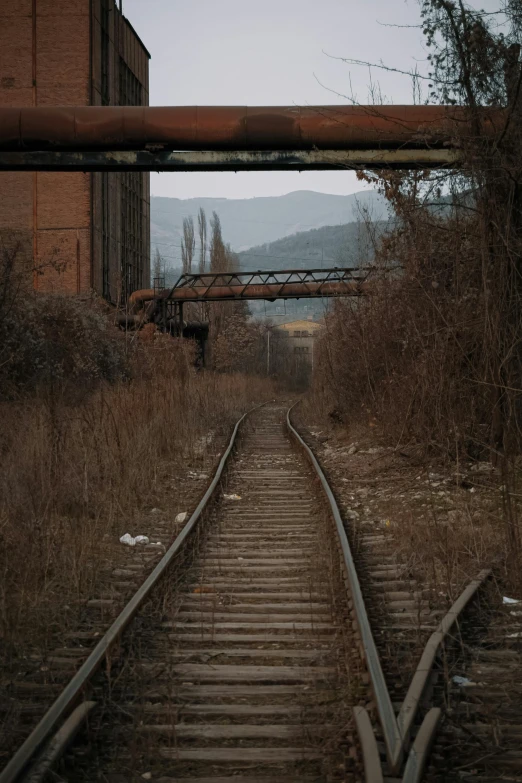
(60, 742)
(72, 691)
(396, 730)
(392, 738)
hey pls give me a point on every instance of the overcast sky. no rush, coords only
(272, 52)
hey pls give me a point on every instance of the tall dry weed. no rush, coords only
(434, 353)
(76, 470)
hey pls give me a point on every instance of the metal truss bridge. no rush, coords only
(286, 284)
(164, 306)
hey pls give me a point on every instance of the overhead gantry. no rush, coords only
(164, 307)
(230, 138)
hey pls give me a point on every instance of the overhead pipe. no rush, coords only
(268, 291)
(265, 291)
(120, 128)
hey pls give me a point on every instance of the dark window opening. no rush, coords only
(106, 233)
(133, 251)
(105, 45)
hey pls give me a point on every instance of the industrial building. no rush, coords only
(299, 338)
(75, 231)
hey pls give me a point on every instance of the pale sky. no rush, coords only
(273, 52)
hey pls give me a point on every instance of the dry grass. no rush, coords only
(444, 519)
(73, 473)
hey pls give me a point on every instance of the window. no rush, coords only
(106, 234)
(301, 349)
(105, 101)
(130, 88)
(105, 43)
(132, 236)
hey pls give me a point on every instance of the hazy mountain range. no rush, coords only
(345, 245)
(249, 223)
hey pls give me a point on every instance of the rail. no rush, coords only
(396, 729)
(403, 754)
(73, 690)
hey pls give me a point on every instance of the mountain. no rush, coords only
(346, 245)
(248, 223)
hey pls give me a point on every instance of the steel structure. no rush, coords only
(238, 160)
(284, 284)
(165, 307)
(188, 138)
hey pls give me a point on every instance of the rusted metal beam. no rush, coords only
(233, 160)
(284, 284)
(116, 128)
(269, 291)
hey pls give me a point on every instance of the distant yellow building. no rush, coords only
(299, 338)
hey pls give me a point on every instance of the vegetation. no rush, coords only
(435, 351)
(253, 222)
(345, 245)
(95, 426)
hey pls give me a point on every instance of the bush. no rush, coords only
(53, 340)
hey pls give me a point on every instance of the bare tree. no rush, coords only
(202, 230)
(218, 252)
(157, 264)
(188, 244)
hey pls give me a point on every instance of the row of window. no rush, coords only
(133, 252)
(297, 333)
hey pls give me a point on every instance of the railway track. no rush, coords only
(249, 654)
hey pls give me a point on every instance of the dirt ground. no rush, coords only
(445, 521)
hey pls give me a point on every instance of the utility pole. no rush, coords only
(268, 351)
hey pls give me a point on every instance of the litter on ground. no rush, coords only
(462, 681)
(232, 497)
(133, 540)
(180, 518)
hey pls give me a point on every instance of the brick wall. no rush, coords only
(46, 55)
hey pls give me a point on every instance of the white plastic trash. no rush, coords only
(462, 681)
(132, 541)
(181, 517)
(232, 497)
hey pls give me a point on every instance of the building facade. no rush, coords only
(295, 340)
(293, 351)
(75, 232)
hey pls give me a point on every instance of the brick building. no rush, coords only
(78, 231)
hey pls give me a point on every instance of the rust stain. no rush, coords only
(120, 128)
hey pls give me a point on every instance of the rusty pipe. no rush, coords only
(253, 291)
(138, 297)
(267, 291)
(119, 128)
